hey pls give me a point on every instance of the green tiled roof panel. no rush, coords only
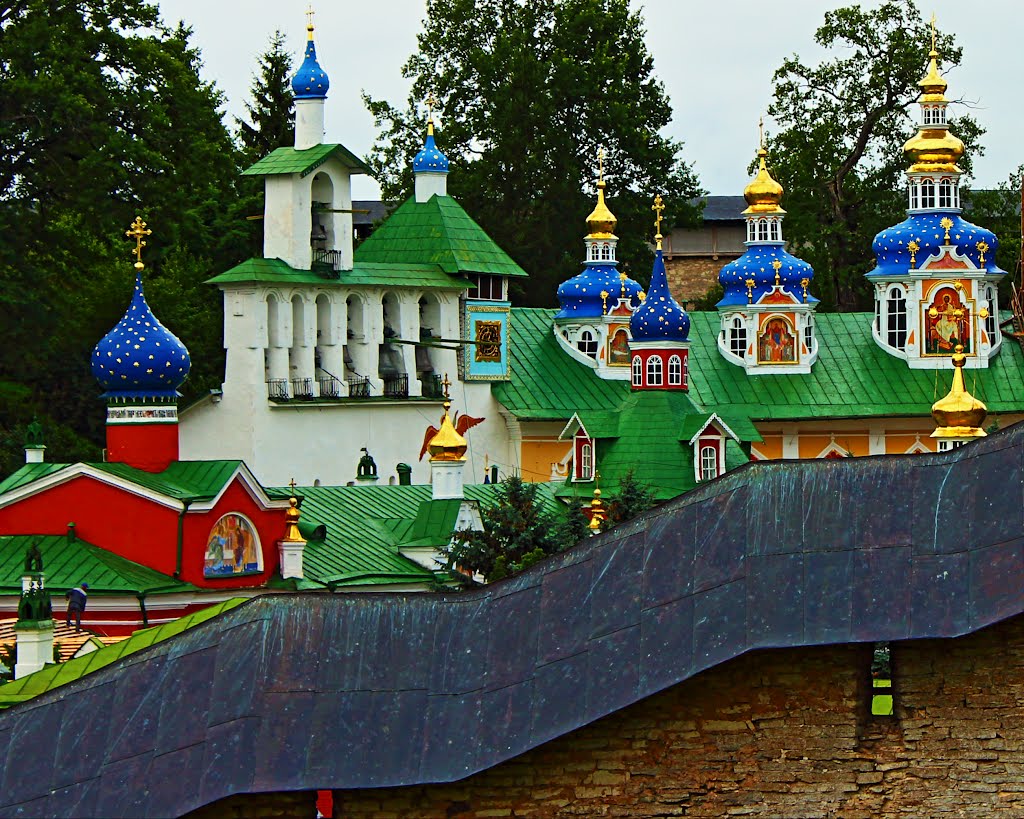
(54, 676)
(69, 562)
(290, 160)
(276, 271)
(439, 232)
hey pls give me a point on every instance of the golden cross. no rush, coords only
(137, 231)
(778, 266)
(947, 223)
(431, 102)
(658, 207)
(760, 132)
(600, 164)
(446, 384)
(913, 247)
(982, 249)
(933, 30)
(291, 483)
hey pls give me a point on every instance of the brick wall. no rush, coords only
(691, 277)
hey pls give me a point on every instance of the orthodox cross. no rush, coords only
(309, 16)
(982, 249)
(600, 164)
(431, 102)
(291, 484)
(947, 223)
(760, 132)
(138, 230)
(750, 289)
(658, 207)
(913, 247)
(446, 384)
(933, 30)
(777, 265)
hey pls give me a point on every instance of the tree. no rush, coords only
(517, 528)
(529, 90)
(272, 108)
(839, 151)
(633, 498)
(999, 210)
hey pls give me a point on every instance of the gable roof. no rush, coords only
(439, 232)
(732, 567)
(278, 271)
(68, 562)
(304, 162)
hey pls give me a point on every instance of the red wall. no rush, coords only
(145, 446)
(664, 355)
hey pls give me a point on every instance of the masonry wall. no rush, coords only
(785, 734)
(691, 277)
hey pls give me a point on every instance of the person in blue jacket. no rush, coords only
(77, 599)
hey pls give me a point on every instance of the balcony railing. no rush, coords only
(432, 386)
(396, 386)
(358, 386)
(329, 257)
(330, 387)
(277, 389)
(302, 387)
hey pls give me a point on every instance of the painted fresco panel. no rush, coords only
(776, 343)
(946, 321)
(233, 548)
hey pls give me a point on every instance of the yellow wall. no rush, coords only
(538, 454)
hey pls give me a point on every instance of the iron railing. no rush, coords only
(277, 389)
(432, 386)
(331, 257)
(358, 386)
(396, 386)
(302, 387)
(330, 387)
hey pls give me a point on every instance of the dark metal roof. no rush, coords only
(378, 211)
(292, 692)
(721, 208)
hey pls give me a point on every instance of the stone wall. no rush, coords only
(691, 277)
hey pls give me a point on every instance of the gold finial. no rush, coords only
(431, 101)
(447, 443)
(777, 266)
(446, 384)
(291, 518)
(982, 249)
(597, 513)
(600, 166)
(959, 414)
(750, 289)
(601, 221)
(622, 279)
(764, 193)
(946, 223)
(913, 247)
(137, 231)
(658, 207)
(803, 284)
(309, 21)
(933, 30)
(760, 133)
(604, 302)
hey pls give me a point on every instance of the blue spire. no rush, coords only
(430, 159)
(140, 358)
(659, 318)
(310, 81)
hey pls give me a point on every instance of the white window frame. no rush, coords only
(587, 338)
(738, 338)
(655, 371)
(675, 371)
(708, 465)
(895, 334)
(638, 371)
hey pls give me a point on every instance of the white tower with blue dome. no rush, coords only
(430, 165)
(767, 313)
(935, 277)
(596, 305)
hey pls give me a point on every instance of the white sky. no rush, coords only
(715, 58)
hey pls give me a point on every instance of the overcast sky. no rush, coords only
(715, 58)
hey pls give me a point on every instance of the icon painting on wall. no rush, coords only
(947, 323)
(777, 344)
(618, 348)
(233, 548)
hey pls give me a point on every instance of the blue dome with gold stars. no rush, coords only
(892, 257)
(310, 81)
(660, 317)
(580, 296)
(756, 264)
(140, 358)
(430, 159)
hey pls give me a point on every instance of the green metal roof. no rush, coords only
(439, 232)
(852, 378)
(69, 562)
(54, 676)
(182, 480)
(277, 271)
(290, 160)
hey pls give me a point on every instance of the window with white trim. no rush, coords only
(675, 371)
(587, 344)
(751, 231)
(896, 318)
(606, 252)
(775, 228)
(762, 230)
(915, 195)
(927, 193)
(946, 446)
(586, 469)
(991, 326)
(809, 334)
(708, 462)
(945, 194)
(638, 371)
(738, 338)
(654, 371)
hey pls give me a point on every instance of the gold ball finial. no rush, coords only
(309, 20)
(946, 223)
(913, 247)
(982, 250)
(959, 415)
(601, 221)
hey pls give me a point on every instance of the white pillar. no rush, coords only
(309, 123)
(430, 184)
(34, 454)
(290, 553)
(446, 479)
(35, 648)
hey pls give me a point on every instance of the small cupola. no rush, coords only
(309, 85)
(958, 415)
(430, 165)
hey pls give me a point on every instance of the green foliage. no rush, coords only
(839, 154)
(999, 211)
(633, 498)
(574, 525)
(517, 528)
(529, 89)
(272, 108)
(103, 116)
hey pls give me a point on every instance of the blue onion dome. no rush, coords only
(430, 159)
(310, 81)
(140, 358)
(580, 296)
(892, 256)
(757, 264)
(660, 317)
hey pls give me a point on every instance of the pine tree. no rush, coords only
(272, 108)
(633, 498)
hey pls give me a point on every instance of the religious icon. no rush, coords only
(947, 323)
(776, 344)
(488, 341)
(232, 548)
(618, 348)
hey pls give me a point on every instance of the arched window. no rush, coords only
(708, 463)
(738, 338)
(929, 115)
(775, 230)
(593, 253)
(586, 462)
(991, 325)
(896, 318)
(751, 231)
(638, 371)
(809, 334)
(675, 371)
(762, 230)
(939, 116)
(956, 195)
(587, 344)
(654, 371)
(915, 195)
(927, 194)
(232, 548)
(945, 194)
(606, 252)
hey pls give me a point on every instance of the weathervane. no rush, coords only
(137, 231)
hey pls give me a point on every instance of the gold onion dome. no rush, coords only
(933, 148)
(959, 414)
(447, 444)
(291, 522)
(601, 221)
(763, 194)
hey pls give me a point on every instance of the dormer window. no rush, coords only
(486, 288)
(587, 344)
(738, 338)
(708, 462)
(654, 371)
(896, 318)
(583, 456)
